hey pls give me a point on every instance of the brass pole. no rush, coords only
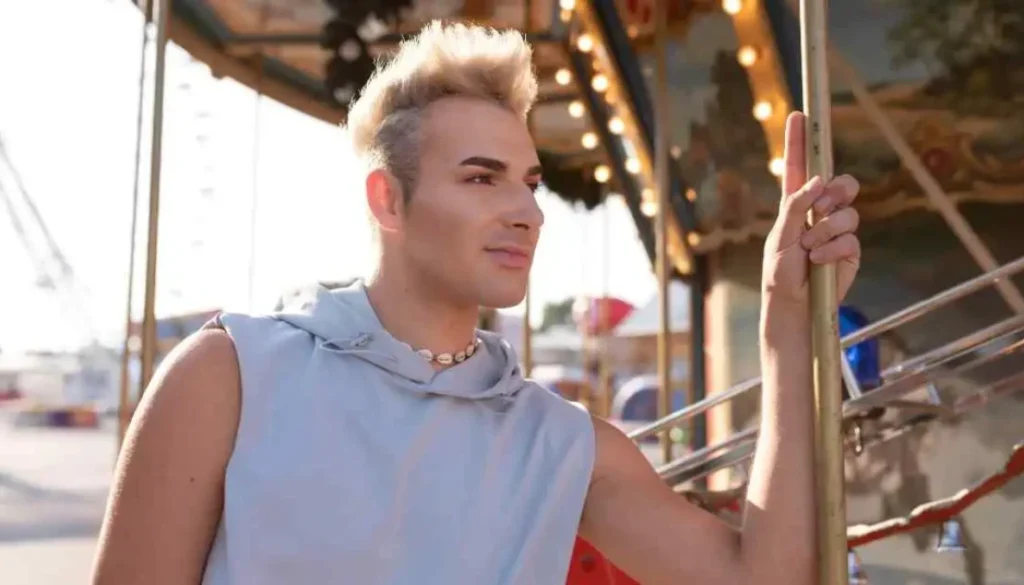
(156, 148)
(605, 372)
(124, 409)
(661, 162)
(527, 329)
(527, 335)
(828, 392)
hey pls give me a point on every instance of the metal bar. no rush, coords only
(661, 166)
(931, 187)
(937, 301)
(695, 409)
(707, 453)
(605, 367)
(849, 378)
(698, 465)
(527, 329)
(698, 364)
(123, 408)
(912, 374)
(830, 483)
(894, 389)
(873, 330)
(163, 14)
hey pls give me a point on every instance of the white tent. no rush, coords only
(646, 320)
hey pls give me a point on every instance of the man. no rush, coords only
(373, 436)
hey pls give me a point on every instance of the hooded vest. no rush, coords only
(356, 462)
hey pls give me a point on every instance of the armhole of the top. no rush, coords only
(215, 323)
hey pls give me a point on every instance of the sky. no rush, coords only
(255, 198)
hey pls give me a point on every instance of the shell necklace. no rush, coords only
(447, 359)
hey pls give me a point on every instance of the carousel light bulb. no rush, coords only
(616, 125)
(567, 4)
(602, 173)
(649, 208)
(747, 56)
(599, 82)
(732, 6)
(576, 109)
(763, 110)
(589, 140)
(691, 195)
(693, 238)
(585, 43)
(777, 166)
(563, 76)
(633, 166)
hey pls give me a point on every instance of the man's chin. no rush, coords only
(502, 299)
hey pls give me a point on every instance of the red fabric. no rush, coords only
(592, 318)
(589, 567)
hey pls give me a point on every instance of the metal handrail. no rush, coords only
(873, 330)
(711, 458)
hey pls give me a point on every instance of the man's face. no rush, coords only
(470, 228)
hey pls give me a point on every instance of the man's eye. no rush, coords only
(533, 187)
(481, 180)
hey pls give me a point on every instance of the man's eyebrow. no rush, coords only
(486, 162)
(498, 166)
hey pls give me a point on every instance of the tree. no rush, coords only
(557, 314)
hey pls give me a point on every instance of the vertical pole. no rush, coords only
(661, 166)
(828, 394)
(527, 336)
(163, 13)
(698, 365)
(124, 409)
(605, 357)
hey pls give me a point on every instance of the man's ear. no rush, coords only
(384, 198)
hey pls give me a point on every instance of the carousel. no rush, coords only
(679, 110)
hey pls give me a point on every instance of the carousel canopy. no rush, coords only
(592, 136)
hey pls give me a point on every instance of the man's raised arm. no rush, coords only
(657, 536)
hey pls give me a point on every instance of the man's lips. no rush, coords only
(510, 256)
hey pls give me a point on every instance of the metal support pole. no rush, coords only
(527, 336)
(828, 392)
(698, 339)
(124, 409)
(163, 13)
(661, 166)
(605, 371)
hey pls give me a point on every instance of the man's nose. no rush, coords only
(527, 214)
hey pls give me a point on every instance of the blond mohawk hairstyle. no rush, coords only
(441, 60)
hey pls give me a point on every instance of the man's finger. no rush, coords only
(845, 247)
(795, 169)
(843, 221)
(793, 214)
(840, 192)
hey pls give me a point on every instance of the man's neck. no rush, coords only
(422, 320)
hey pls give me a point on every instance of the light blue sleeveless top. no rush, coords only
(355, 462)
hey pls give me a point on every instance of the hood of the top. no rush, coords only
(344, 322)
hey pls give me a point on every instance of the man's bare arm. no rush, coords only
(659, 537)
(166, 500)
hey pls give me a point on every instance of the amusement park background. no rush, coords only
(260, 201)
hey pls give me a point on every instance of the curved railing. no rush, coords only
(957, 357)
